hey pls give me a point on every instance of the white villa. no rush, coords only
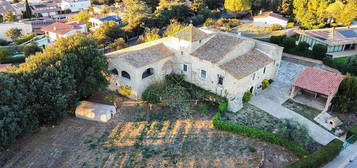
(224, 63)
(57, 30)
(75, 5)
(270, 18)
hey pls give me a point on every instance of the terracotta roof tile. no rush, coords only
(319, 81)
(247, 64)
(191, 34)
(62, 28)
(217, 47)
(144, 56)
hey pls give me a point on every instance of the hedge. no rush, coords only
(319, 158)
(352, 131)
(257, 134)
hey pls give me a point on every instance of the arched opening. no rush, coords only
(125, 74)
(251, 89)
(148, 72)
(114, 71)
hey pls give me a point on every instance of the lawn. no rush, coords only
(139, 137)
(304, 110)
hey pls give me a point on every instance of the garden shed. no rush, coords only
(95, 111)
(316, 88)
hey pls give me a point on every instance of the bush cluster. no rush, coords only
(319, 51)
(257, 134)
(265, 84)
(247, 96)
(303, 46)
(319, 158)
(50, 84)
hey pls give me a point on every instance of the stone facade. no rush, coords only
(214, 71)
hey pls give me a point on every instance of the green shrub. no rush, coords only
(319, 158)
(265, 84)
(257, 134)
(24, 38)
(203, 108)
(3, 42)
(152, 93)
(222, 107)
(3, 55)
(303, 46)
(289, 43)
(271, 81)
(352, 131)
(31, 49)
(277, 39)
(319, 51)
(247, 96)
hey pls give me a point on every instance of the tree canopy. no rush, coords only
(236, 6)
(48, 85)
(311, 14)
(13, 33)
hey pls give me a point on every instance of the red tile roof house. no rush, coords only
(58, 30)
(4, 66)
(270, 18)
(319, 84)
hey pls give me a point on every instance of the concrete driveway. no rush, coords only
(272, 98)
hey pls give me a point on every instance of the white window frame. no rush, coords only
(205, 77)
(264, 70)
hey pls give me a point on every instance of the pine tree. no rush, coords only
(28, 11)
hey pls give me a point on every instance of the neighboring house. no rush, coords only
(316, 88)
(75, 5)
(37, 25)
(340, 42)
(270, 18)
(223, 63)
(6, 6)
(97, 21)
(45, 10)
(26, 28)
(58, 30)
(3, 67)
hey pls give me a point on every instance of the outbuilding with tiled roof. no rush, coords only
(319, 83)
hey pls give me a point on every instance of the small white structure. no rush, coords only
(270, 18)
(97, 21)
(26, 28)
(334, 122)
(57, 30)
(224, 63)
(95, 111)
(75, 5)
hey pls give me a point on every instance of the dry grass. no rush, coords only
(138, 137)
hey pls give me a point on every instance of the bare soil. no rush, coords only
(139, 137)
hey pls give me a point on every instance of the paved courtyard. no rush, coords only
(271, 99)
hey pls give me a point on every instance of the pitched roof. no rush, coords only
(143, 56)
(270, 14)
(217, 47)
(191, 34)
(319, 81)
(62, 28)
(333, 36)
(246, 64)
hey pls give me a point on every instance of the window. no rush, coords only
(114, 71)
(148, 72)
(220, 80)
(184, 67)
(253, 77)
(203, 74)
(264, 70)
(125, 74)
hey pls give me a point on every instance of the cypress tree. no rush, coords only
(28, 12)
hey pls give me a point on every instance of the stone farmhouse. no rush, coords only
(224, 63)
